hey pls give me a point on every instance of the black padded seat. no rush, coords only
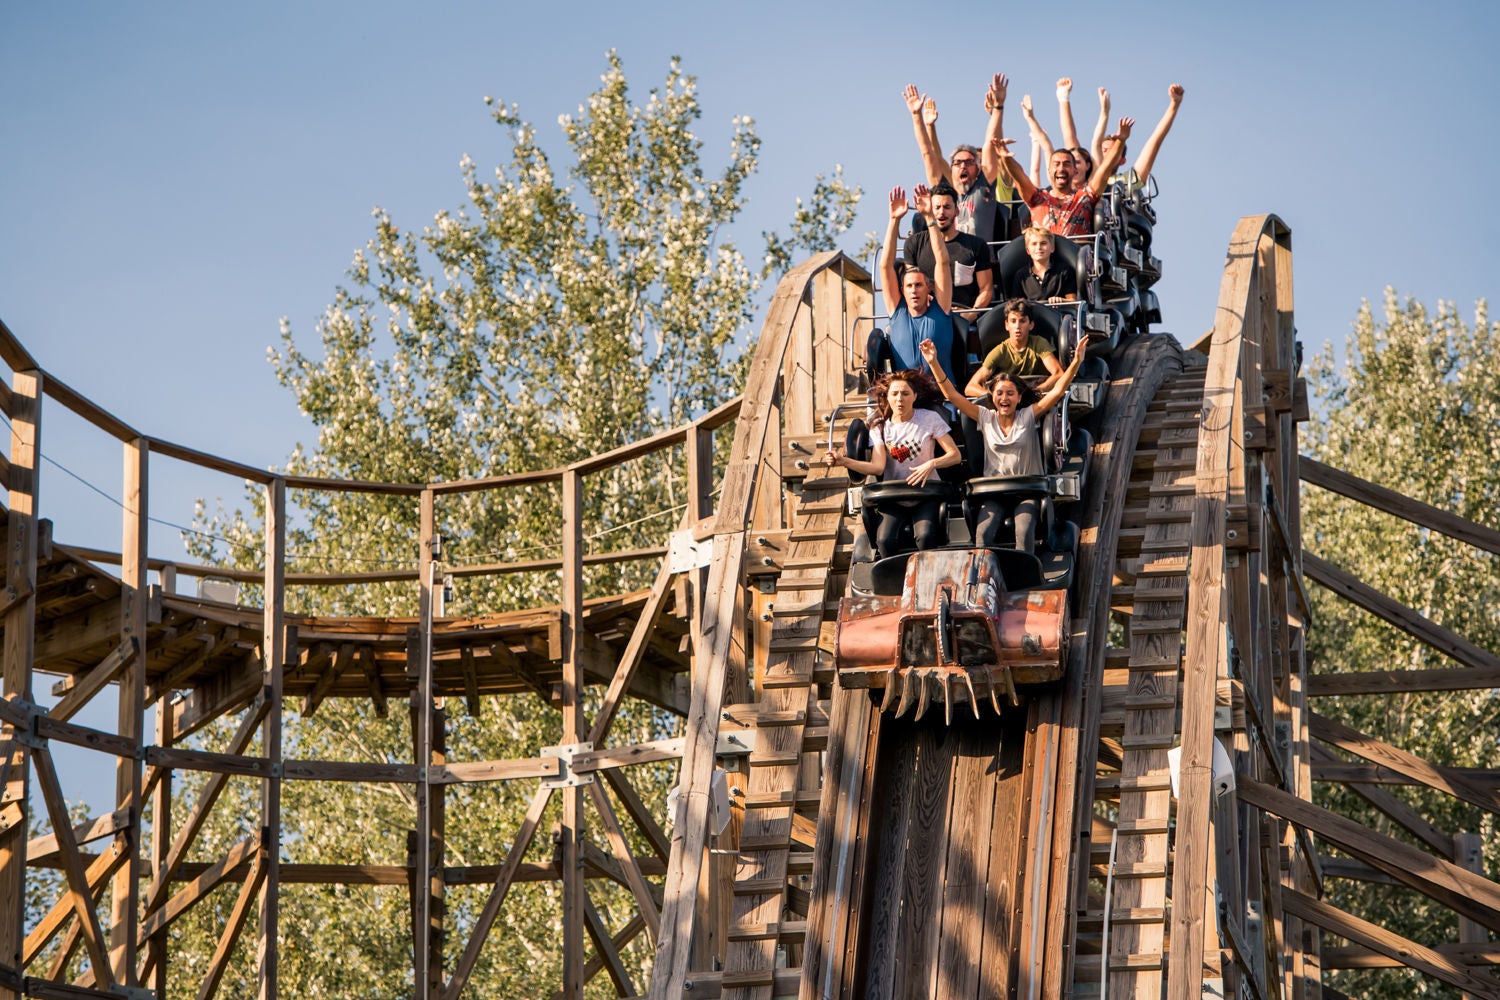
(896, 491)
(1012, 262)
(1012, 488)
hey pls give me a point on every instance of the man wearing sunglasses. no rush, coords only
(971, 169)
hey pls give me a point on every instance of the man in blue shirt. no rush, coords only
(919, 307)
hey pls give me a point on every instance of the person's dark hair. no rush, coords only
(945, 189)
(1029, 396)
(1079, 153)
(929, 396)
(1019, 305)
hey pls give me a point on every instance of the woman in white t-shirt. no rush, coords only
(1011, 444)
(909, 444)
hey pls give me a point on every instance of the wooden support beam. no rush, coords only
(65, 910)
(335, 668)
(607, 956)
(78, 893)
(1397, 809)
(572, 733)
(1425, 960)
(1404, 618)
(631, 659)
(1381, 498)
(16, 655)
(275, 643)
(1398, 681)
(239, 915)
(87, 685)
(198, 888)
(156, 892)
(621, 848)
(486, 919)
(1444, 779)
(43, 850)
(1443, 881)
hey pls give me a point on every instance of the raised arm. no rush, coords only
(1041, 145)
(1114, 152)
(1065, 112)
(1060, 388)
(932, 160)
(890, 285)
(1096, 146)
(1018, 179)
(942, 270)
(1147, 159)
(950, 391)
(994, 103)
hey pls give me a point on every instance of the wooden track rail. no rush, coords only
(1056, 853)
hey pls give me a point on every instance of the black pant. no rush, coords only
(992, 517)
(885, 525)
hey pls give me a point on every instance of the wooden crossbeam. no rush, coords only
(1444, 779)
(606, 952)
(1398, 681)
(1409, 953)
(97, 875)
(1458, 889)
(337, 664)
(156, 892)
(621, 848)
(486, 918)
(78, 894)
(1397, 809)
(40, 850)
(1380, 497)
(199, 888)
(94, 681)
(1404, 618)
(244, 904)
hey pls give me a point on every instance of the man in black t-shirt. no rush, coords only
(972, 262)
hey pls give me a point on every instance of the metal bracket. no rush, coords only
(1223, 718)
(564, 754)
(686, 554)
(1065, 486)
(736, 743)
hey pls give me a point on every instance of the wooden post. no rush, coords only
(20, 629)
(134, 604)
(274, 645)
(1468, 852)
(422, 719)
(573, 731)
(161, 846)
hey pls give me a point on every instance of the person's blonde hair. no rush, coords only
(1030, 231)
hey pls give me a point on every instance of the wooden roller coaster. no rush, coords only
(1052, 850)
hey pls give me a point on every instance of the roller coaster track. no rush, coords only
(1046, 852)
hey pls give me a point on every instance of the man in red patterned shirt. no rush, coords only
(1068, 208)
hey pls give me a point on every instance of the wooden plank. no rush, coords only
(1399, 681)
(1409, 953)
(606, 954)
(572, 732)
(1444, 779)
(621, 848)
(1381, 498)
(244, 902)
(634, 654)
(198, 888)
(274, 644)
(1443, 881)
(1404, 618)
(1205, 651)
(1397, 809)
(19, 620)
(64, 910)
(486, 919)
(78, 892)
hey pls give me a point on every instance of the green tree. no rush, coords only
(549, 318)
(1415, 407)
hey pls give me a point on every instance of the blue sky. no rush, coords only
(179, 176)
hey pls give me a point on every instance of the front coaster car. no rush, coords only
(943, 623)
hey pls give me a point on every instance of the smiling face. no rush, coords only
(1039, 249)
(1060, 171)
(916, 290)
(1005, 395)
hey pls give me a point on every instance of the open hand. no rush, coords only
(898, 203)
(929, 112)
(912, 98)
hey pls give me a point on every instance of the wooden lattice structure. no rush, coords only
(1071, 866)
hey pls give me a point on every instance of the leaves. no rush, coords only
(1416, 408)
